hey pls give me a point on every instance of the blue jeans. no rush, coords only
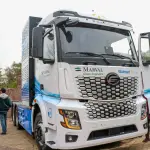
(3, 117)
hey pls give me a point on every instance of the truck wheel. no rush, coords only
(39, 133)
(17, 121)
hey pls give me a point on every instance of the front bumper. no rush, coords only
(88, 126)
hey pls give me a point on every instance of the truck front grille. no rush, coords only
(105, 110)
(100, 134)
(96, 88)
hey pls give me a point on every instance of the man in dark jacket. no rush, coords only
(5, 104)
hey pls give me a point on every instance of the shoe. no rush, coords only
(3, 133)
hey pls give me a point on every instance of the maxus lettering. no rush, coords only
(124, 71)
(87, 69)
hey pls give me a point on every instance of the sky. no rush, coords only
(14, 14)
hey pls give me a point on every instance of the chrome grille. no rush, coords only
(96, 87)
(110, 109)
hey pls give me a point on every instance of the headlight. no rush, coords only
(143, 112)
(71, 119)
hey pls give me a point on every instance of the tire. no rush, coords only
(14, 116)
(17, 121)
(39, 133)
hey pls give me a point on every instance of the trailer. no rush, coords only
(81, 82)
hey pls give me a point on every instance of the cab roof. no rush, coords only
(68, 13)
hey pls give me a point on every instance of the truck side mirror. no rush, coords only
(145, 48)
(37, 42)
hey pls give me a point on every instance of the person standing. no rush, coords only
(5, 104)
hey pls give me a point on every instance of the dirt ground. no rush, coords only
(16, 139)
(20, 140)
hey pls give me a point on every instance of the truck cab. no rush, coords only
(144, 57)
(81, 82)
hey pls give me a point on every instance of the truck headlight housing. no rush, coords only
(71, 119)
(143, 111)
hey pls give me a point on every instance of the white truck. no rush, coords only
(81, 82)
(144, 53)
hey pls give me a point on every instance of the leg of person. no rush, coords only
(2, 120)
(5, 117)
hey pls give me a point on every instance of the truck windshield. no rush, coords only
(83, 39)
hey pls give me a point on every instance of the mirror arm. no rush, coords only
(45, 26)
(56, 21)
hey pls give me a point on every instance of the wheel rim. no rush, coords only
(39, 134)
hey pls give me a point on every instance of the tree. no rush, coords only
(12, 74)
(2, 79)
(0, 72)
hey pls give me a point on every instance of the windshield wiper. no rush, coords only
(121, 56)
(90, 54)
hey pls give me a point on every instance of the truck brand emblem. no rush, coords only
(112, 79)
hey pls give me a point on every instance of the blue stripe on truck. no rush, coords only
(146, 91)
(43, 92)
(24, 118)
(25, 91)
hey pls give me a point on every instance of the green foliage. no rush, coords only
(11, 74)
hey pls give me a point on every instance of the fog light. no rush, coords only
(145, 125)
(71, 138)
